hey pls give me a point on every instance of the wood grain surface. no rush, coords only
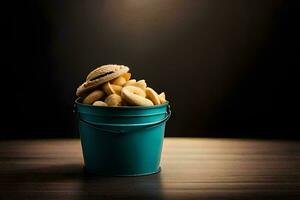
(191, 169)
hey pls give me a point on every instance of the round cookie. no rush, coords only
(92, 97)
(99, 76)
(152, 95)
(135, 96)
(106, 72)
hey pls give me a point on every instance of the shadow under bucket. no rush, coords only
(122, 141)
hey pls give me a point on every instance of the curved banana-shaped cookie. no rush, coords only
(99, 103)
(113, 100)
(135, 96)
(93, 96)
(116, 88)
(152, 95)
(111, 89)
(162, 97)
(127, 76)
(135, 90)
(130, 82)
(141, 83)
(119, 81)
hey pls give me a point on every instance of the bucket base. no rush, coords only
(121, 175)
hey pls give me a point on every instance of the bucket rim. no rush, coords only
(77, 101)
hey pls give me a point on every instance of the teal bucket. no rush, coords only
(122, 141)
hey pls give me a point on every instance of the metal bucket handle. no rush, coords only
(143, 125)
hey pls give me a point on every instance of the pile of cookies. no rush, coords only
(111, 85)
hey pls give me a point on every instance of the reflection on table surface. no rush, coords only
(191, 169)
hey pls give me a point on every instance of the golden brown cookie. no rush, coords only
(111, 89)
(162, 97)
(152, 95)
(130, 82)
(141, 84)
(127, 76)
(113, 100)
(92, 97)
(118, 81)
(135, 90)
(99, 76)
(106, 72)
(117, 89)
(135, 96)
(99, 103)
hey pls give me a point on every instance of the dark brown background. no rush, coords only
(228, 67)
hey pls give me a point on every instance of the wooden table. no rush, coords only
(191, 169)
